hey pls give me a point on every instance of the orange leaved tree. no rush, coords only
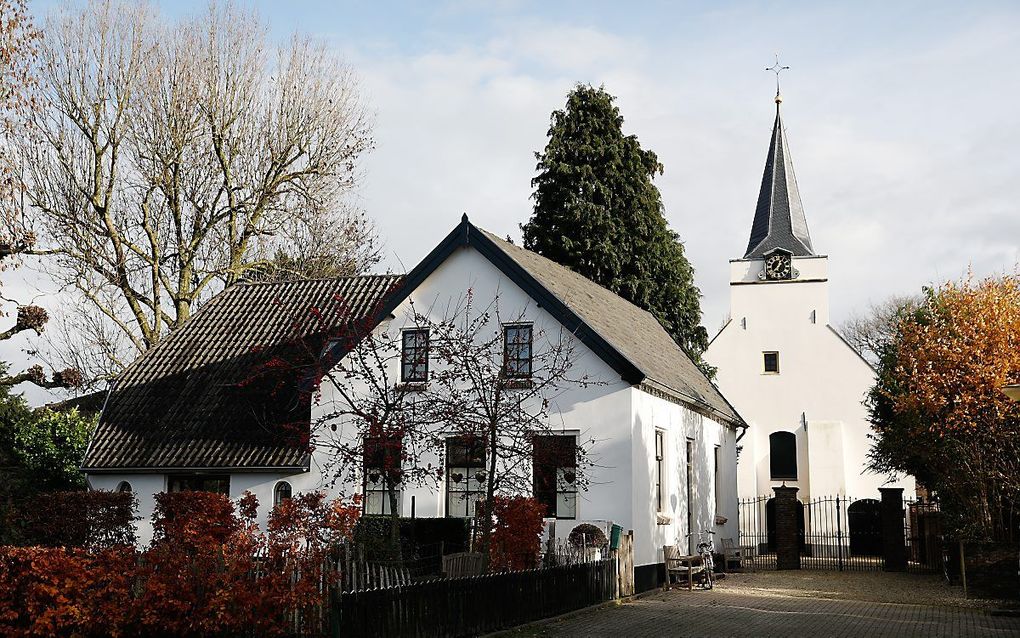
(938, 408)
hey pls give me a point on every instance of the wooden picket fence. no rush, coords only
(453, 607)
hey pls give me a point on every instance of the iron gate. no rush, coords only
(840, 533)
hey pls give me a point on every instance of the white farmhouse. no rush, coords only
(186, 416)
(798, 384)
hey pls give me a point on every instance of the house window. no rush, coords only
(660, 463)
(783, 456)
(216, 483)
(770, 362)
(690, 495)
(554, 478)
(717, 486)
(281, 493)
(382, 466)
(414, 356)
(517, 350)
(124, 486)
(465, 475)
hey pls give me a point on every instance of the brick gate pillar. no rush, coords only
(787, 541)
(894, 541)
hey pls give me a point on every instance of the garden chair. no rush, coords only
(680, 565)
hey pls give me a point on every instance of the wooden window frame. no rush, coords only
(660, 470)
(555, 476)
(514, 372)
(414, 349)
(468, 465)
(376, 458)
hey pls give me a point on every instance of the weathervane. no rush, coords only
(777, 69)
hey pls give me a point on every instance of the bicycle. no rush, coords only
(706, 549)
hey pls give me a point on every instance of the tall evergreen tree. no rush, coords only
(598, 213)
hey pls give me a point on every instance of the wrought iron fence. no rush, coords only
(840, 533)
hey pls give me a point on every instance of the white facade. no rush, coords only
(817, 394)
(620, 419)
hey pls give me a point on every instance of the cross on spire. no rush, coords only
(777, 69)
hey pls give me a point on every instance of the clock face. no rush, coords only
(777, 266)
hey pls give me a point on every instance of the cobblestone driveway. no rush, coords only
(779, 605)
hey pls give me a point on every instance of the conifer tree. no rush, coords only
(598, 212)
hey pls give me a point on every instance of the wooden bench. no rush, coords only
(681, 565)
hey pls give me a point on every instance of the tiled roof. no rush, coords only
(633, 332)
(209, 395)
(779, 220)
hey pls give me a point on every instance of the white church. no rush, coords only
(787, 371)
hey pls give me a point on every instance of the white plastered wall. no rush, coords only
(818, 393)
(652, 529)
(599, 413)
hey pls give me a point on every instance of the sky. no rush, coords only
(901, 117)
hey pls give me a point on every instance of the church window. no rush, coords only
(783, 456)
(771, 362)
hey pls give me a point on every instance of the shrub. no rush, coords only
(587, 535)
(51, 591)
(516, 532)
(93, 519)
(209, 571)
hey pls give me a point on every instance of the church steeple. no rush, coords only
(779, 220)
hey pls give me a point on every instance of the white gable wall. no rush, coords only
(817, 394)
(598, 412)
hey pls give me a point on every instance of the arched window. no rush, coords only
(281, 492)
(124, 486)
(783, 455)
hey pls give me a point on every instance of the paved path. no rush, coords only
(747, 609)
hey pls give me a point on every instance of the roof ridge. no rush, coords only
(245, 282)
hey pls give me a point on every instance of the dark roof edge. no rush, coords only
(156, 469)
(466, 234)
(852, 349)
(662, 391)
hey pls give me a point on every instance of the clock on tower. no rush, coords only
(778, 266)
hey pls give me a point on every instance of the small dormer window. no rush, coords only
(770, 362)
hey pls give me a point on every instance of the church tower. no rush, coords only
(791, 376)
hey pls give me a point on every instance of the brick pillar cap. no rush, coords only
(784, 489)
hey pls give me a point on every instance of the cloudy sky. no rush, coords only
(902, 120)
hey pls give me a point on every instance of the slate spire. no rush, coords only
(779, 220)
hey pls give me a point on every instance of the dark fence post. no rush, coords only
(787, 543)
(894, 541)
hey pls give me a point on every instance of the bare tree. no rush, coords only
(378, 430)
(173, 158)
(869, 331)
(18, 50)
(498, 389)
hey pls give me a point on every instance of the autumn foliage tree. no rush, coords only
(938, 408)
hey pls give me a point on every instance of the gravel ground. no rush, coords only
(879, 587)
